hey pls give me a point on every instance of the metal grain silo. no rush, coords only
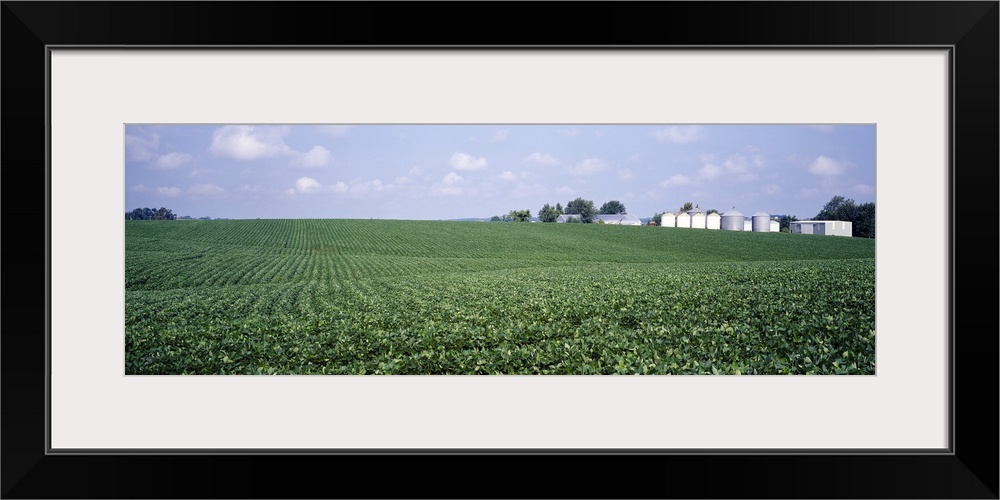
(713, 221)
(683, 220)
(732, 220)
(697, 217)
(761, 222)
(668, 219)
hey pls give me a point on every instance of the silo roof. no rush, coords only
(732, 212)
(761, 214)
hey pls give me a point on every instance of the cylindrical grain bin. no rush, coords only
(713, 221)
(683, 220)
(732, 220)
(697, 217)
(668, 219)
(698, 220)
(761, 222)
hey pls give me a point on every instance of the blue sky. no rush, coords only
(472, 171)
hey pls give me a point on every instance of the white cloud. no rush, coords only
(340, 187)
(570, 132)
(590, 166)
(736, 164)
(463, 161)
(247, 188)
(759, 161)
(169, 191)
(316, 157)
(635, 157)
(564, 190)
(335, 130)
(198, 173)
(539, 158)
(680, 135)
(709, 171)
(206, 189)
(247, 142)
(450, 185)
(676, 180)
(863, 189)
(772, 189)
(139, 188)
(416, 171)
(625, 174)
(368, 187)
(827, 167)
(500, 135)
(508, 176)
(173, 160)
(141, 147)
(307, 185)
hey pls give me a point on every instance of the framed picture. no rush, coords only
(921, 76)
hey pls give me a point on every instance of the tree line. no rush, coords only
(584, 208)
(150, 214)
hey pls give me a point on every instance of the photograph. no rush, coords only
(476, 249)
(379, 202)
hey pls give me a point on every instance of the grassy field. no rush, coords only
(312, 296)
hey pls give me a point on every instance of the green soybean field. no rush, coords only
(356, 297)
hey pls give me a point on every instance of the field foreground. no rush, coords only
(315, 296)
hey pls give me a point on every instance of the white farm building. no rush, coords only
(827, 227)
(694, 218)
(668, 219)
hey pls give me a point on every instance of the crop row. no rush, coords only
(800, 317)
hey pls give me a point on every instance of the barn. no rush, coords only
(827, 227)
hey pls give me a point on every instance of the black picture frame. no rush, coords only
(969, 470)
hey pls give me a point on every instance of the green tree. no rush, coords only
(834, 208)
(549, 213)
(496, 218)
(584, 208)
(864, 224)
(146, 213)
(613, 207)
(658, 218)
(520, 215)
(784, 222)
(686, 206)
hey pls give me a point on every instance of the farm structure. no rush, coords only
(827, 227)
(732, 220)
(613, 219)
(668, 219)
